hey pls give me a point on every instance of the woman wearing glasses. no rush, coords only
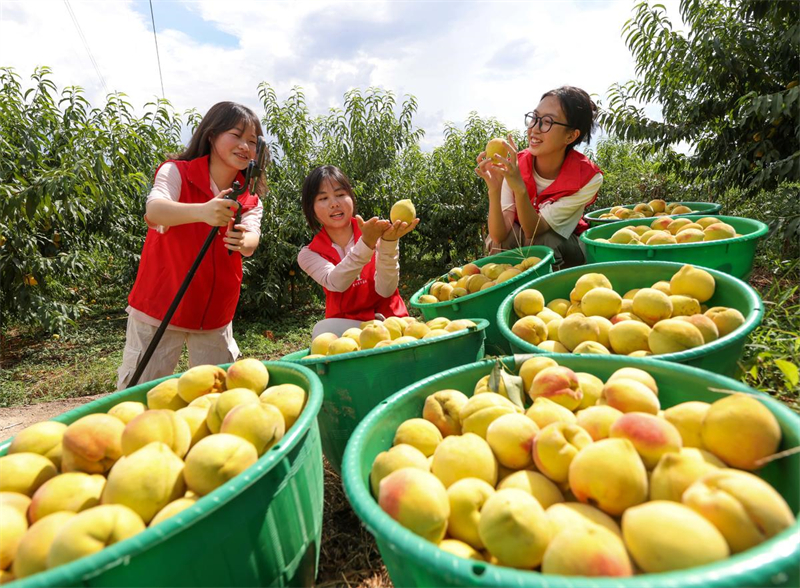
(538, 195)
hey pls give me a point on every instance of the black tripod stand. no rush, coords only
(254, 169)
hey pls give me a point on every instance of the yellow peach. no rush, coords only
(514, 528)
(544, 411)
(537, 485)
(165, 396)
(127, 411)
(31, 556)
(511, 437)
(740, 431)
(215, 460)
(417, 500)
(288, 398)
(43, 438)
(73, 492)
(398, 457)
(146, 480)
(464, 456)
(651, 436)
(257, 422)
(588, 550)
(684, 538)
(688, 419)
(418, 433)
(610, 473)
(200, 380)
(11, 533)
(675, 472)
(92, 444)
(597, 420)
(25, 472)
(247, 373)
(173, 508)
(742, 506)
(161, 425)
(467, 497)
(442, 408)
(320, 344)
(555, 446)
(559, 384)
(91, 531)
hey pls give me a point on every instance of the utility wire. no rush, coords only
(158, 57)
(86, 46)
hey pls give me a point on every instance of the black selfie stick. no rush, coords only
(254, 170)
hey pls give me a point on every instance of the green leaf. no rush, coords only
(790, 371)
(514, 388)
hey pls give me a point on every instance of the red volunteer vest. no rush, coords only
(360, 301)
(575, 173)
(210, 301)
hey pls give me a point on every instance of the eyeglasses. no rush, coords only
(545, 122)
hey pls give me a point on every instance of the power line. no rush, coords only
(158, 57)
(86, 45)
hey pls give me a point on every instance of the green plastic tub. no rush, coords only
(484, 304)
(263, 528)
(720, 356)
(354, 383)
(704, 208)
(413, 561)
(732, 256)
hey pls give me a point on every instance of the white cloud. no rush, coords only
(496, 58)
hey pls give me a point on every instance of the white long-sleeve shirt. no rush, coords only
(338, 278)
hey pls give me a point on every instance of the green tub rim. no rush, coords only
(426, 554)
(592, 217)
(205, 506)
(751, 321)
(546, 259)
(759, 229)
(480, 325)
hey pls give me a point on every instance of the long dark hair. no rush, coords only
(579, 109)
(311, 188)
(222, 117)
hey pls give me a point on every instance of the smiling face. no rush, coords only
(555, 140)
(235, 147)
(333, 205)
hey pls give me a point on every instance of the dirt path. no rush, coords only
(13, 420)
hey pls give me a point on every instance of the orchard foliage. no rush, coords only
(71, 183)
(728, 87)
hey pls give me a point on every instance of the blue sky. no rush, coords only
(495, 58)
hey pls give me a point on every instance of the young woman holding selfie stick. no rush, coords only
(188, 197)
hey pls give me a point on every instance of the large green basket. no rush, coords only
(413, 561)
(263, 528)
(703, 208)
(732, 256)
(354, 383)
(720, 356)
(483, 304)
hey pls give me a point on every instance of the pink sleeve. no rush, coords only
(166, 186)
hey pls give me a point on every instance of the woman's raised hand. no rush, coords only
(507, 167)
(219, 210)
(399, 229)
(372, 229)
(489, 172)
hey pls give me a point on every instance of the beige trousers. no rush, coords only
(212, 347)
